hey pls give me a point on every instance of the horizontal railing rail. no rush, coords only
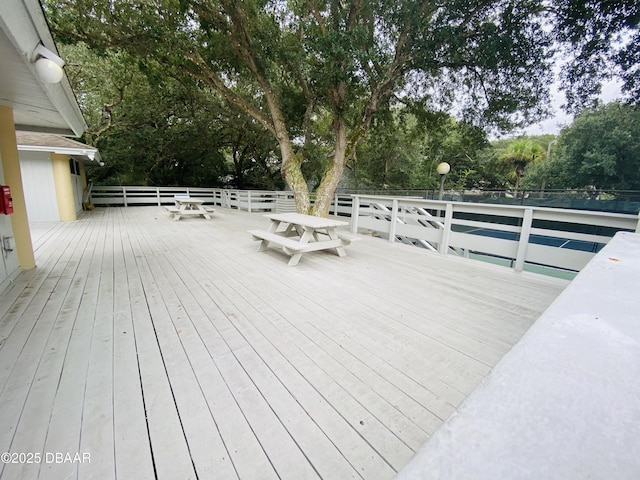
(512, 235)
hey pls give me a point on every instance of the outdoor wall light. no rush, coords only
(443, 168)
(48, 64)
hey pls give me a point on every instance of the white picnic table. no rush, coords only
(189, 206)
(297, 233)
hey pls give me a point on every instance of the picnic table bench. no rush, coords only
(302, 234)
(188, 206)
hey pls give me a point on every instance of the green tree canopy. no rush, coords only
(601, 148)
(317, 69)
(546, 173)
(601, 40)
(405, 146)
(152, 129)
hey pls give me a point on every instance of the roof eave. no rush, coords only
(91, 153)
(25, 25)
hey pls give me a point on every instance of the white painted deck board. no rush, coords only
(37, 338)
(176, 350)
(132, 450)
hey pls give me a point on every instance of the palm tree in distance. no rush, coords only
(521, 153)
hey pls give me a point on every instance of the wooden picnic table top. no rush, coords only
(309, 221)
(190, 200)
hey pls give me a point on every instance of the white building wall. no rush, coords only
(39, 188)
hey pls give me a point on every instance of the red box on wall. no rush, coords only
(6, 202)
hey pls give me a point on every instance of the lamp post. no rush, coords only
(442, 168)
(544, 178)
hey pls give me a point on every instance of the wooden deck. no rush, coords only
(148, 348)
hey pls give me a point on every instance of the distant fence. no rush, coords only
(520, 236)
(248, 200)
(618, 201)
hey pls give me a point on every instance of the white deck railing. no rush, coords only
(557, 238)
(518, 236)
(127, 196)
(249, 200)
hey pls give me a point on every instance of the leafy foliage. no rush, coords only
(521, 153)
(155, 130)
(320, 75)
(602, 39)
(307, 62)
(601, 149)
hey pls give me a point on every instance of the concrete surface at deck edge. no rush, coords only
(564, 403)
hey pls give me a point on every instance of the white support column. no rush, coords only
(355, 213)
(63, 187)
(394, 221)
(124, 196)
(525, 233)
(443, 248)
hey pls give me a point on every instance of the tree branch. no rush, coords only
(214, 81)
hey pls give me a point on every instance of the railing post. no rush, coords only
(124, 196)
(443, 248)
(524, 239)
(158, 195)
(394, 221)
(355, 213)
(249, 200)
(638, 224)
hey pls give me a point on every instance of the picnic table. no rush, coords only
(189, 206)
(297, 234)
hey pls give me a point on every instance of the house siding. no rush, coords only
(39, 189)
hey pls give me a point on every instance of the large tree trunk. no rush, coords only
(291, 161)
(333, 172)
(292, 174)
(517, 185)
